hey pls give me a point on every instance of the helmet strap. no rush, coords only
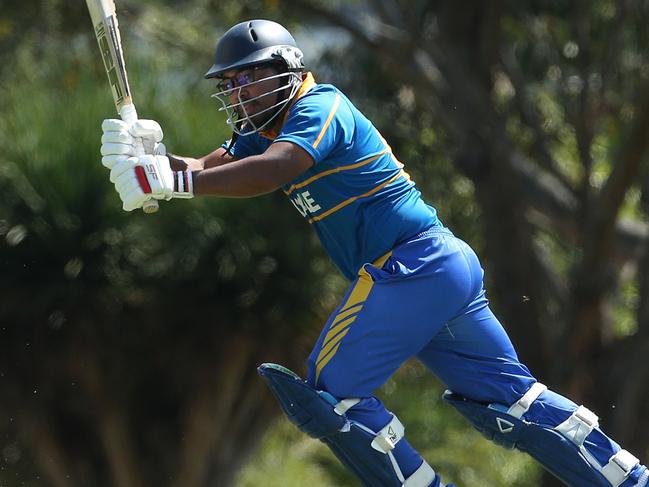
(233, 139)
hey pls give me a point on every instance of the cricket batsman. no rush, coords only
(416, 289)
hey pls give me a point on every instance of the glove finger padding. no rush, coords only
(129, 189)
(116, 139)
(110, 149)
(124, 176)
(112, 160)
(147, 129)
(134, 200)
(122, 164)
(150, 134)
(119, 137)
(114, 125)
(129, 186)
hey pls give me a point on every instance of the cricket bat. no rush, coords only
(104, 22)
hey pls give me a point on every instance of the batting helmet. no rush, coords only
(244, 48)
(255, 42)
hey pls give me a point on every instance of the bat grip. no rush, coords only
(129, 115)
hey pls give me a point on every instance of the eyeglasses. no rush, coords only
(240, 79)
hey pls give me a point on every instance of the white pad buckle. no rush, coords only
(389, 436)
(521, 406)
(422, 477)
(579, 425)
(343, 406)
(619, 467)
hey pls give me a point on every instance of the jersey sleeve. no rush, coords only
(318, 124)
(244, 146)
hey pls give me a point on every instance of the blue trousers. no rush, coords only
(426, 299)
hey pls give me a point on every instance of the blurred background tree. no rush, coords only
(129, 343)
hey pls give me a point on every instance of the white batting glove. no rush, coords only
(119, 140)
(138, 179)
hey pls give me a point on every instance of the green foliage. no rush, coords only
(111, 315)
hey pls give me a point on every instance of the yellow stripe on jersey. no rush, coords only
(354, 198)
(345, 318)
(327, 122)
(334, 170)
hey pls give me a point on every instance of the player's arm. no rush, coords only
(215, 158)
(281, 163)
(139, 179)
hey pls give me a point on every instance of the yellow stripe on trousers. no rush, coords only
(343, 320)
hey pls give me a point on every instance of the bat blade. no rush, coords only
(106, 28)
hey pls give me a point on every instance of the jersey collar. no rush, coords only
(308, 82)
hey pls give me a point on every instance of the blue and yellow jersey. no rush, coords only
(357, 196)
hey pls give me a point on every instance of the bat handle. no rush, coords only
(129, 115)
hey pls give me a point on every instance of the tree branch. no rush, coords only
(547, 196)
(632, 153)
(339, 19)
(529, 116)
(610, 66)
(635, 350)
(113, 429)
(207, 416)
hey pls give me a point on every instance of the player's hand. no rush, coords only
(138, 179)
(120, 141)
(182, 163)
